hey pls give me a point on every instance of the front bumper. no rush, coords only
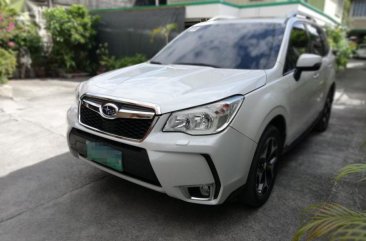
(179, 160)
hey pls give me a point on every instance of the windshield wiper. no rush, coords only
(155, 62)
(198, 64)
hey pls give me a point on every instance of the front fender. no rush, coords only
(259, 109)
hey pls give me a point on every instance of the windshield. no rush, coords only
(362, 47)
(232, 46)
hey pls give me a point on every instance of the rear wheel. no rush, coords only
(263, 171)
(323, 121)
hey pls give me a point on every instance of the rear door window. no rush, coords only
(318, 44)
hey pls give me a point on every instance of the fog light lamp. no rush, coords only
(205, 190)
(201, 192)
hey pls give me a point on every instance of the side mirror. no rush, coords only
(335, 52)
(307, 62)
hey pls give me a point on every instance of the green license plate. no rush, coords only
(105, 155)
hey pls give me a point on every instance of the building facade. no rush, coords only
(357, 20)
(326, 12)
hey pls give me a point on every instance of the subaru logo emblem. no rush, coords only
(109, 110)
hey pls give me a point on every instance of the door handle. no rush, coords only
(316, 75)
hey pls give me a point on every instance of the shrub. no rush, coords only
(112, 62)
(7, 64)
(7, 33)
(108, 62)
(27, 37)
(338, 41)
(7, 27)
(73, 36)
(17, 33)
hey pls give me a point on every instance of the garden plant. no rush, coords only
(7, 33)
(334, 221)
(73, 36)
(338, 42)
(108, 62)
(18, 33)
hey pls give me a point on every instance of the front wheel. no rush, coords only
(323, 121)
(263, 170)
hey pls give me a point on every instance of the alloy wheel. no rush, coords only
(266, 166)
(327, 110)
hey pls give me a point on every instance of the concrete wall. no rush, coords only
(334, 9)
(358, 23)
(212, 10)
(128, 32)
(358, 15)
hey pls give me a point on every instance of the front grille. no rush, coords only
(135, 160)
(128, 128)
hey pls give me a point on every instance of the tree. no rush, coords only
(73, 36)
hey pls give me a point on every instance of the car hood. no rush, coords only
(174, 87)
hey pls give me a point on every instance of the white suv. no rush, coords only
(211, 113)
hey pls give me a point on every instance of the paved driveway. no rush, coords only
(46, 194)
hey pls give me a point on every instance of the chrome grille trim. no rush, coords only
(125, 113)
(122, 113)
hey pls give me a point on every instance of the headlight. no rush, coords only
(204, 120)
(77, 92)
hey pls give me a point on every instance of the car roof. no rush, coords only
(231, 20)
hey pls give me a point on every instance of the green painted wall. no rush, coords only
(316, 3)
(319, 4)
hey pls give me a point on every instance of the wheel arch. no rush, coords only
(276, 117)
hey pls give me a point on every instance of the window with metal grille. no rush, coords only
(358, 8)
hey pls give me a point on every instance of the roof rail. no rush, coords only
(223, 17)
(300, 14)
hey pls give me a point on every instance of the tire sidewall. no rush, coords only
(250, 195)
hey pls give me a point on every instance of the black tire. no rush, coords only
(263, 170)
(323, 122)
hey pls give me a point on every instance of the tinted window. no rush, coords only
(233, 46)
(317, 41)
(298, 44)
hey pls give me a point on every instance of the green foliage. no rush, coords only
(27, 37)
(7, 33)
(73, 36)
(7, 27)
(337, 38)
(334, 222)
(108, 62)
(358, 168)
(112, 62)
(3, 3)
(7, 64)
(164, 31)
(18, 33)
